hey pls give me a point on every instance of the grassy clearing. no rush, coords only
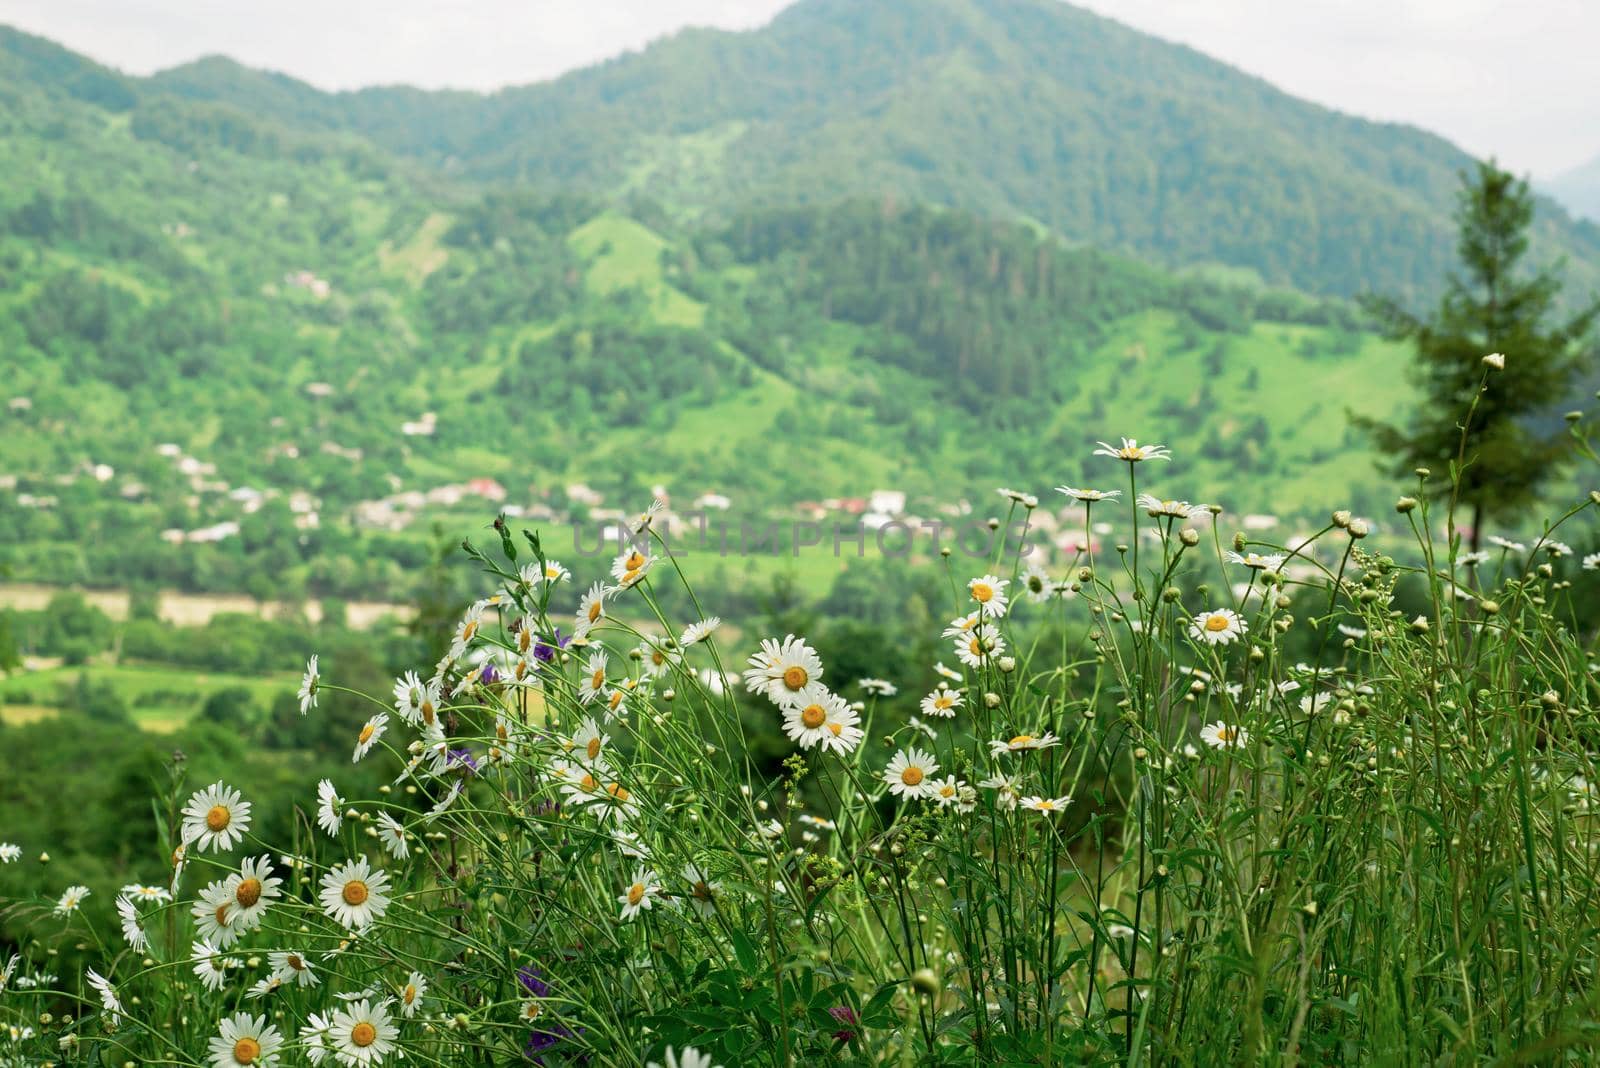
(160, 699)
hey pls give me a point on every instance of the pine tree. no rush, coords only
(1514, 442)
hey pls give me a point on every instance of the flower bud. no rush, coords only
(1405, 504)
(1490, 608)
(1341, 518)
(925, 982)
(1189, 536)
(1496, 360)
(1358, 528)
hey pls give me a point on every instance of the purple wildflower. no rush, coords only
(463, 759)
(545, 653)
(847, 1016)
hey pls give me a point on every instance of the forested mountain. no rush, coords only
(1579, 190)
(1028, 109)
(239, 350)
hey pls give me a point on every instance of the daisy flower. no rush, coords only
(946, 791)
(354, 893)
(253, 888)
(1023, 742)
(629, 567)
(210, 965)
(687, 1057)
(1046, 805)
(1220, 735)
(1155, 506)
(292, 966)
(110, 1004)
(1258, 561)
(699, 631)
(131, 931)
(1473, 559)
(262, 987)
(593, 682)
(245, 1041)
(949, 673)
(1132, 451)
(70, 900)
(941, 702)
(393, 836)
(909, 772)
(1507, 544)
(980, 644)
(330, 808)
(639, 895)
(990, 593)
(878, 687)
(655, 657)
(371, 731)
(588, 740)
(1089, 495)
(466, 630)
(309, 683)
(362, 1034)
(783, 670)
(443, 803)
(1036, 584)
(960, 627)
(412, 993)
(146, 895)
(591, 610)
(1007, 788)
(10, 853)
(703, 890)
(629, 844)
(808, 723)
(1592, 562)
(1217, 628)
(216, 818)
(417, 702)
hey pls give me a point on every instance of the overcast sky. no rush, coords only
(1517, 78)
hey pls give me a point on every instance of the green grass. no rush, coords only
(159, 698)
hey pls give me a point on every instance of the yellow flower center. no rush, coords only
(795, 677)
(615, 699)
(634, 561)
(912, 776)
(594, 612)
(635, 893)
(947, 790)
(531, 1010)
(218, 818)
(248, 893)
(598, 679)
(427, 712)
(1227, 734)
(410, 994)
(975, 647)
(1047, 806)
(616, 791)
(836, 728)
(982, 592)
(1216, 623)
(1021, 741)
(702, 891)
(363, 1034)
(813, 716)
(657, 657)
(468, 631)
(501, 733)
(222, 914)
(366, 733)
(246, 1050)
(943, 701)
(593, 748)
(588, 783)
(293, 960)
(355, 892)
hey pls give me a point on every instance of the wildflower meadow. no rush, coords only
(1194, 798)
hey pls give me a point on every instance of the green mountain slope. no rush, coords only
(213, 319)
(1027, 109)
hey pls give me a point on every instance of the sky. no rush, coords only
(1514, 78)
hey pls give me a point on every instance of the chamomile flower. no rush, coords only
(354, 893)
(1036, 584)
(1556, 549)
(466, 630)
(687, 1057)
(1220, 735)
(70, 900)
(330, 808)
(1046, 805)
(245, 1041)
(310, 682)
(1027, 500)
(131, 931)
(946, 791)
(655, 657)
(292, 966)
(210, 965)
(411, 994)
(703, 890)
(588, 742)
(592, 684)
(1007, 790)
(371, 731)
(110, 1004)
(979, 645)
(631, 566)
(1257, 561)
(315, 1037)
(1131, 451)
(417, 702)
(878, 687)
(629, 844)
(639, 894)
(941, 702)
(1089, 495)
(1023, 742)
(252, 889)
(699, 631)
(216, 818)
(262, 987)
(783, 670)
(1217, 628)
(960, 627)
(910, 772)
(1507, 544)
(1156, 507)
(807, 722)
(146, 895)
(443, 803)
(10, 853)
(990, 593)
(393, 836)
(362, 1034)
(1474, 558)
(1592, 562)
(591, 610)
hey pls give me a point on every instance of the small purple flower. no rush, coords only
(546, 653)
(541, 1040)
(847, 1016)
(463, 759)
(488, 676)
(532, 981)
